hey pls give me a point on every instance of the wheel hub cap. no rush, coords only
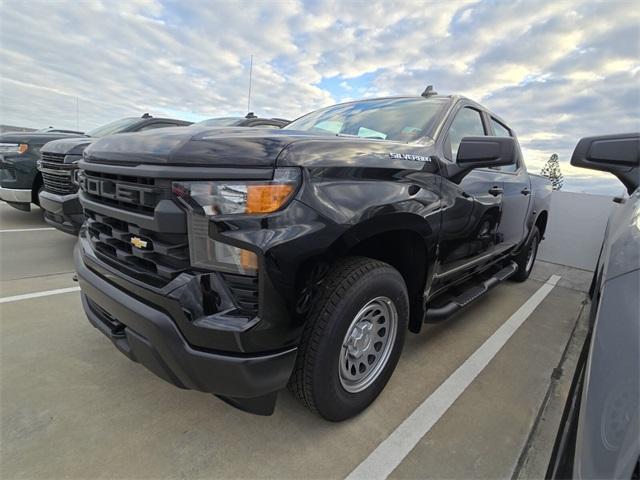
(367, 344)
(360, 339)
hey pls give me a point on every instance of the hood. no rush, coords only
(241, 146)
(68, 146)
(35, 138)
(232, 146)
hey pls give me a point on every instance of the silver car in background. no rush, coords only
(599, 436)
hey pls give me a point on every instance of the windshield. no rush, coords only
(114, 127)
(220, 122)
(398, 119)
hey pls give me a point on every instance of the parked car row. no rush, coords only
(238, 261)
(38, 167)
(58, 164)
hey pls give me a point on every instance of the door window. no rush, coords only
(468, 123)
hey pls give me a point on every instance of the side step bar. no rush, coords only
(438, 314)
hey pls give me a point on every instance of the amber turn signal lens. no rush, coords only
(267, 198)
(248, 260)
(23, 147)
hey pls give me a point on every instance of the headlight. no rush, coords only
(75, 176)
(13, 147)
(205, 199)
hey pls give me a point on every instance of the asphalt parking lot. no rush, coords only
(72, 406)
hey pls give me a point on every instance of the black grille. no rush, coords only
(158, 258)
(10, 168)
(52, 157)
(244, 290)
(56, 174)
(153, 256)
(139, 194)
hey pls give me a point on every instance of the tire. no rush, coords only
(362, 297)
(40, 189)
(36, 188)
(527, 257)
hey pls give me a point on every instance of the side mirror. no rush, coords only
(617, 154)
(484, 152)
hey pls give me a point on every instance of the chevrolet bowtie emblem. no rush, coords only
(138, 242)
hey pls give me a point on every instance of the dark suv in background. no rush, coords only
(58, 161)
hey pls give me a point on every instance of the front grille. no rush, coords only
(159, 258)
(53, 157)
(139, 194)
(149, 254)
(56, 175)
(244, 290)
(9, 168)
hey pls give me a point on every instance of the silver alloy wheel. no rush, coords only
(367, 345)
(531, 255)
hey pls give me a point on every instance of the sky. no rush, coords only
(556, 71)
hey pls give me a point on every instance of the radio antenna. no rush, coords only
(250, 77)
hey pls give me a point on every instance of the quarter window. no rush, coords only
(468, 123)
(499, 130)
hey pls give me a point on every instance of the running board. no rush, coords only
(438, 314)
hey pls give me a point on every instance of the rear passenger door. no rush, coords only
(516, 193)
(472, 206)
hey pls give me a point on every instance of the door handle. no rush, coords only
(525, 191)
(495, 191)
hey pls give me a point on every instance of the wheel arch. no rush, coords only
(541, 222)
(401, 240)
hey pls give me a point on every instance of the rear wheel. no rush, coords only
(352, 340)
(527, 257)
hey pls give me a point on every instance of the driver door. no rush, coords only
(472, 205)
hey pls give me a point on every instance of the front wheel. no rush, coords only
(352, 339)
(527, 257)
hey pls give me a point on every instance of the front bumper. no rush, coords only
(17, 174)
(63, 212)
(148, 335)
(15, 195)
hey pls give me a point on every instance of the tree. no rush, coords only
(551, 170)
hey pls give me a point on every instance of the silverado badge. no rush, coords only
(138, 242)
(407, 156)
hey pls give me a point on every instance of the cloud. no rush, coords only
(556, 71)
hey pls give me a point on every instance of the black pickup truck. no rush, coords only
(239, 261)
(58, 162)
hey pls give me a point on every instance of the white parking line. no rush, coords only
(46, 293)
(17, 230)
(388, 455)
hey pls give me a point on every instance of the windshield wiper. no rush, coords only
(349, 135)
